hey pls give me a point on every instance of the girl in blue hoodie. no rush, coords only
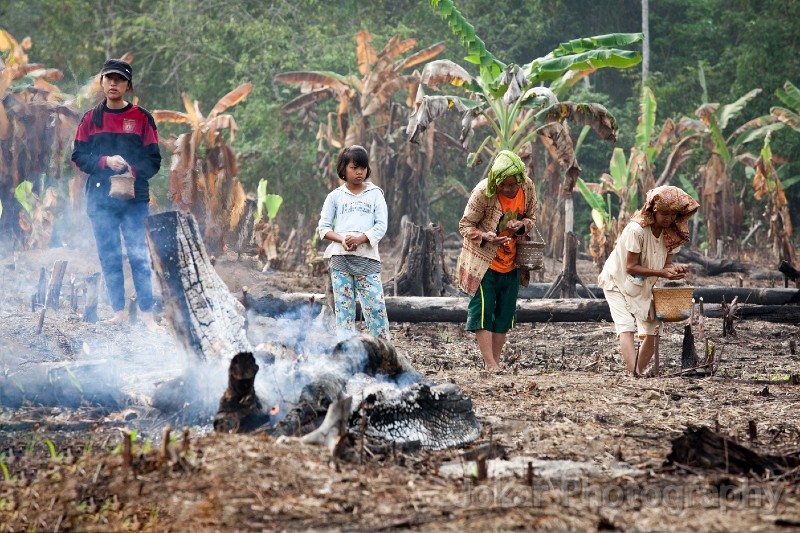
(354, 217)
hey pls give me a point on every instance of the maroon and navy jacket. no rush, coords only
(130, 132)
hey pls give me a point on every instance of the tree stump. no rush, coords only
(206, 318)
(422, 271)
(729, 317)
(565, 285)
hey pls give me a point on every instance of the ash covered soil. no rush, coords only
(585, 444)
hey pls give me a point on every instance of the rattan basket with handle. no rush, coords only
(530, 254)
(673, 304)
(122, 186)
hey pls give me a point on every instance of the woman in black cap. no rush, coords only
(118, 138)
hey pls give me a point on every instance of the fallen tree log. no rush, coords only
(448, 309)
(711, 267)
(782, 314)
(709, 294)
(205, 317)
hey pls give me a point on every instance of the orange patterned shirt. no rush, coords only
(513, 209)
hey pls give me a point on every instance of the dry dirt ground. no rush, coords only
(585, 443)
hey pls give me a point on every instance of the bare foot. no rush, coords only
(151, 325)
(118, 318)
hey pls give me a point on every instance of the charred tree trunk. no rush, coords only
(207, 319)
(240, 409)
(422, 271)
(688, 351)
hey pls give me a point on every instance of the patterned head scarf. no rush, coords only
(506, 163)
(668, 198)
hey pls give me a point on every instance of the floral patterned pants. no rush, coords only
(369, 290)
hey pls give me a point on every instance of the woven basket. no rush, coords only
(122, 186)
(673, 304)
(530, 254)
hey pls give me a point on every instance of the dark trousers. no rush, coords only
(107, 222)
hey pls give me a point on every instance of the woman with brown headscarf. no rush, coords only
(643, 254)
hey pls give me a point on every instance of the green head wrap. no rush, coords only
(506, 163)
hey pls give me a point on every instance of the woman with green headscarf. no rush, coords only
(500, 211)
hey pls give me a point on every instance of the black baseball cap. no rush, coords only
(117, 66)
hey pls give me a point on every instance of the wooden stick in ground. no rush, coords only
(41, 292)
(53, 293)
(701, 322)
(54, 287)
(165, 442)
(656, 355)
(92, 293)
(127, 456)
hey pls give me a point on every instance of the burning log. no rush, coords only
(703, 448)
(432, 416)
(205, 317)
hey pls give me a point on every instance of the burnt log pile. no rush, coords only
(420, 415)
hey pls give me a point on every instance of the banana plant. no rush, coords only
(718, 201)
(767, 186)
(203, 169)
(509, 99)
(371, 110)
(360, 99)
(36, 121)
(789, 115)
(630, 177)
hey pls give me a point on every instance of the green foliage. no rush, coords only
(267, 202)
(206, 48)
(491, 68)
(4, 468)
(54, 456)
(24, 195)
(118, 448)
